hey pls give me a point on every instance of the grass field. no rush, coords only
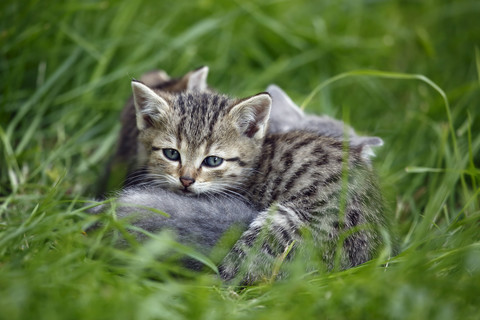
(407, 71)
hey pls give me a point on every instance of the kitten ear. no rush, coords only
(251, 115)
(154, 77)
(283, 106)
(197, 79)
(150, 107)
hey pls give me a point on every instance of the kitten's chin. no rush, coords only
(186, 192)
(190, 191)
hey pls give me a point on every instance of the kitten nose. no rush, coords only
(187, 181)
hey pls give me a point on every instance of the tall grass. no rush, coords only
(64, 75)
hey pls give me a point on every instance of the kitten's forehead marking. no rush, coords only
(193, 156)
(165, 141)
(198, 114)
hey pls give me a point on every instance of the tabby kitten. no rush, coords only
(202, 143)
(130, 155)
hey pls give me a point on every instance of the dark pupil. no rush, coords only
(213, 161)
(171, 154)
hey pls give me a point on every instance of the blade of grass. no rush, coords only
(26, 107)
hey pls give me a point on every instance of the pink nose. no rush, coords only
(187, 181)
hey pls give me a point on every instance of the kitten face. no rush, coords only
(200, 142)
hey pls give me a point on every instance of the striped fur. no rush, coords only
(300, 177)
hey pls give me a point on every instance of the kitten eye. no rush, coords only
(212, 161)
(171, 154)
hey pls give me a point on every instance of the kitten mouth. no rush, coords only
(186, 191)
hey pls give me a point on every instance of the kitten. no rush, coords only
(287, 116)
(199, 222)
(208, 144)
(130, 156)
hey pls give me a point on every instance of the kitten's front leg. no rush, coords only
(259, 252)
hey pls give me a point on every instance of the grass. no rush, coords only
(64, 76)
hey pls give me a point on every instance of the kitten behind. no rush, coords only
(287, 116)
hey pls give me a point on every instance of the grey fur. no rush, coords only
(198, 222)
(287, 116)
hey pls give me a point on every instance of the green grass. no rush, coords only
(65, 69)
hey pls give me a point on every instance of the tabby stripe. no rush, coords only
(292, 198)
(309, 191)
(252, 235)
(261, 192)
(269, 146)
(321, 203)
(237, 159)
(332, 179)
(287, 159)
(286, 237)
(215, 115)
(353, 217)
(249, 239)
(323, 160)
(181, 104)
(204, 103)
(305, 142)
(284, 211)
(179, 139)
(238, 251)
(318, 150)
(304, 216)
(276, 184)
(267, 249)
(215, 100)
(294, 178)
(336, 144)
